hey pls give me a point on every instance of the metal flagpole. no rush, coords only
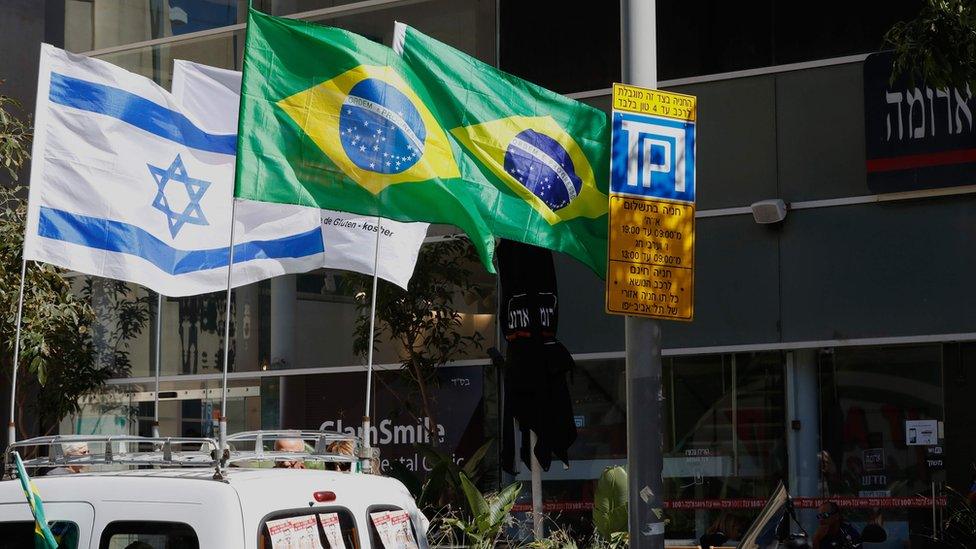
(537, 526)
(12, 427)
(223, 383)
(159, 353)
(369, 352)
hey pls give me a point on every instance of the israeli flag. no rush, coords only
(127, 183)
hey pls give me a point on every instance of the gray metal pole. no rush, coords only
(230, 287)
(12, 426)
(366, 463)
(538, 528)
(159, 358)
(645, 460)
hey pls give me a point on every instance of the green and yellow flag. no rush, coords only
(43, 537)
(333, 120)
(547, 152)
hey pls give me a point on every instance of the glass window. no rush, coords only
(468, 25)
(158, 535)
(559, 46)
(20, 535)
(374, 535)
(698, 38)
(323, 518)
(91, 25)
(724, 438)
(598, 391)
(867, 396)
(807, 30)
(186, 408)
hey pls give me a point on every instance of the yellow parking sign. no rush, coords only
(652, 205)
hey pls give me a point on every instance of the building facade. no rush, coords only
(815, 341)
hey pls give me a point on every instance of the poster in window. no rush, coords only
(402, 533)
(332, 529)
(382, 523)
(294, 533)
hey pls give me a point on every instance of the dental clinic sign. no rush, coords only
(334, 402)
(651, 248)
(916, 136)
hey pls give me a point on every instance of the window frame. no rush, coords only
(374, 535)
(308, 511)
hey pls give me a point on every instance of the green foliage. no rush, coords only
(558, 539)
(489, 514)
(65, 353)
(610, 503)
(423, 321)
(443, 484)
(938, 46)
(15, 137)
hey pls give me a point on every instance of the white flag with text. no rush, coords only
(213, 95)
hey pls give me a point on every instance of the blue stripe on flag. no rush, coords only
(115, 236)
(138, 111)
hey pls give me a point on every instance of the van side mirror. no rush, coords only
(873, 533)
(713, 540)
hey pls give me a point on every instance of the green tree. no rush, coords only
(938, 46)
(422, 321)
(66, 352)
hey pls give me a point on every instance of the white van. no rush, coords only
(183, 502)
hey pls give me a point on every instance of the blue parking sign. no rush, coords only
(653, 157)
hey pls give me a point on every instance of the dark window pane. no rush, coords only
(558, 46)
(866, 397)
(725, 436)
(696, 38)
(20, 535)
(806, 30)
(165, 535)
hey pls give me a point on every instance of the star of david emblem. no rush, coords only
(195, 188)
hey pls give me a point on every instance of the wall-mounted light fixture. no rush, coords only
(769, 211)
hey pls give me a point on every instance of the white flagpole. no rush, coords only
(369, 353)
(223, 385)
(12, 427)
(159, 353)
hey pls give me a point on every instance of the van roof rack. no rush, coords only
(48, 452)
(118, 450)
(320, 441)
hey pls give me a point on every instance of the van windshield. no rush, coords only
(20, 534)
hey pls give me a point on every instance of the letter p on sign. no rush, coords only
(654, 157)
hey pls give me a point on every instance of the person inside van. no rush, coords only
(290, 445)
(70, 450)
(343, 448)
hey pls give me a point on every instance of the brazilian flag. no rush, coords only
(43, 537)
(547, 154)
(333, 120)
